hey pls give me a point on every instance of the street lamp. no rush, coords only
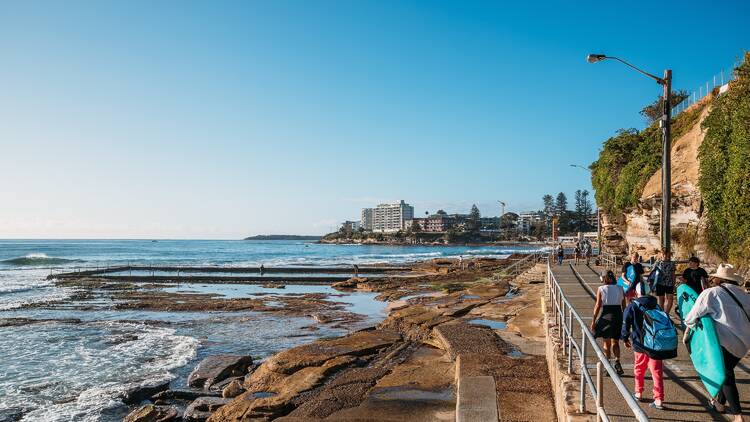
(666, 157)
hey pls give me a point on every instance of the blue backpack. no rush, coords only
(659, 334)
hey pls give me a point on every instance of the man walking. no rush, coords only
(665, 281)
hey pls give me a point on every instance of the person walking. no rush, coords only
(560, 254)
(635, 333)
(578, 252)
(587, 252)
(637, 275)
(695, 276)
(728, 305)
(664, 283)
(610, 300)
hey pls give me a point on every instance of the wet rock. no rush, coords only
(13, 414)
(151, 413)
(184, 394)
(234, 389)
(202, 407)
(143, 392)
(214, 369)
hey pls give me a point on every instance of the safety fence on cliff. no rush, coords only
(719, 80)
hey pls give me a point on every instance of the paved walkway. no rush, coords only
(685, 397)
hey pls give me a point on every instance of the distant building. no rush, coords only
(351, 225)
(435, 223)
(527, 219)
(388, 218)
(366, 219)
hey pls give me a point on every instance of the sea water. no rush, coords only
(71, 364)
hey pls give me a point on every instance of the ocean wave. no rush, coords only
(90, 374)
(38, 259)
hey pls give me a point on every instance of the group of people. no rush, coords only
(633, 313)
(583, 250)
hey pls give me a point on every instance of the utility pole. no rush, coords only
(666, 165)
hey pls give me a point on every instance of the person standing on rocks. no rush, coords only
(610, 300)
(664, 283)
(728, 305)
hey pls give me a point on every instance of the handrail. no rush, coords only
(561, 306)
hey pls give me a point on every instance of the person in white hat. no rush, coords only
(729, 306)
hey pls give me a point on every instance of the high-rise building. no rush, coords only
(366, 219)
(388, 218)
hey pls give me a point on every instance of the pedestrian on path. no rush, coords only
(560, 254)
(633, 336)
(695, 276)
(728, 305)
(637, 271)
(664, 283)
(578, 252)
(610, 300)
(587, 252)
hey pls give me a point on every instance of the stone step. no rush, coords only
(476, 400)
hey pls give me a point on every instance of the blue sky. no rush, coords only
(224, 119)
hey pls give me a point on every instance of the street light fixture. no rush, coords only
(666, 157)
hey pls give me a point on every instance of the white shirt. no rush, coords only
(612, 294)
(732, 326)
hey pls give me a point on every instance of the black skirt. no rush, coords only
(609, 324)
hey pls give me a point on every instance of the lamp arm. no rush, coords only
(658, 80)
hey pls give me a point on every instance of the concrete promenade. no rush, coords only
(685, 397)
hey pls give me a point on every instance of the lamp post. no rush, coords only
(666, 156)
(598, 215)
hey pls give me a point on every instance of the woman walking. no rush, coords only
(729, 306)
(610, 300)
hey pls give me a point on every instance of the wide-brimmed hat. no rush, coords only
(726, 272)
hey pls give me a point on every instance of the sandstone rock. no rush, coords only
(137, 394)
(184, 394)
(151, 413)
(234, 389)
(217, 368)
(202, 407)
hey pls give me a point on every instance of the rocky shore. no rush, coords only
(444, 324)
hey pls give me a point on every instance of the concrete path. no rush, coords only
(685, 397)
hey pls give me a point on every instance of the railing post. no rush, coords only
(582, 404)
(570, 340)
(599, 392)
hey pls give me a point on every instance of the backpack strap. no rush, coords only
(737, 301)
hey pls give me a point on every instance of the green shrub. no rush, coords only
(628, 159)
(725, 170)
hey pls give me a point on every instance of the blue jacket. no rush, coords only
(632, 321)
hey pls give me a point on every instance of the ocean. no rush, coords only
(69, 358)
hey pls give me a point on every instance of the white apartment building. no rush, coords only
(366, 219)
(527, 219)
(388, 218)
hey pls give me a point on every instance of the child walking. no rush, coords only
(652, 339)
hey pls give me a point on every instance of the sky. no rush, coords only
(176, 119)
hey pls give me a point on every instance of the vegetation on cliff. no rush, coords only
(631, 157)
(725, 170)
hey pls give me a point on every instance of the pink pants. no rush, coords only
(642, 361)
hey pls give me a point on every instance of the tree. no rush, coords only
(474, 223)
(583, 209)
(441, 212)
(561, 204)
(508, 220)
(549, 204)
(655, 110)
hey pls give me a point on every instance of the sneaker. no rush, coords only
(618, 368)
(657, 406)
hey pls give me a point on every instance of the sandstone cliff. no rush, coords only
(638, 229)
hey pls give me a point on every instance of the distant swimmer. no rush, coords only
(262, 269)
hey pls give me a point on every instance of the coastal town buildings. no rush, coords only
(389, 218)
(527, 219)
(434, 223)
(351, 225)
(366, 219)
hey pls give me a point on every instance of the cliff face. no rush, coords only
(638, 229)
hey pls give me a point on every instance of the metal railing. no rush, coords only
(565, 316)
(523, 264)
(608, 260)
(720, 80)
